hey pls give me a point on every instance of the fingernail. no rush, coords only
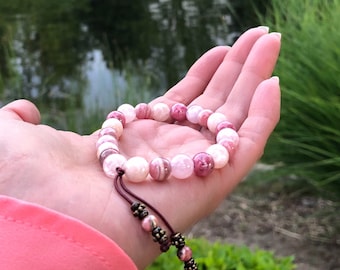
(264, 28)
(276, 79)
(276, 34)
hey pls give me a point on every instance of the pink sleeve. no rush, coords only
(33, 237)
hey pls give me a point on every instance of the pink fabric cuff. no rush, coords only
(34, 237)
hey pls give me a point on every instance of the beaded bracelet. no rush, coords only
(181, 166)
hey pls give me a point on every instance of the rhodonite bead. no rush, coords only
(136, 169)
(143, 111)
(128, 111)
(182, 166)
(229, 133)
(118, 115)
(149, 223)
(225, 124)
(115, 124)
(178, 112)
(203, 164)
(184, 254)
(219, 154)
(160, 112)
(111, 163)
(160, 168)
(214, 119)
(203, 117)
(193, 112)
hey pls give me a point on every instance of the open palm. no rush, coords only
(59, 169)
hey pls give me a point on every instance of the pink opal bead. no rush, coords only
(111, 163)
(214, 119)
(225, 124)
(115, 124)
(106, 145)
(107, 131)
(160, 168)
(136, 169)
(149, 223)
(203, 117)
(143, 111)
(229, 133)
(219, 154)
(160, 112)
(118, 115)
(128, 111)
(203, 164)
(184, 254)
(178, 112)
(106, 138)
(193, 112)
(182, 166)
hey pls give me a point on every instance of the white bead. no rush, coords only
(228, 133)
(214, 119)
(136, 169)
(115, 124)
(111, 163)
(193, 112)
(128, 111)
(160, 112)
(104, 146)
(219, 154)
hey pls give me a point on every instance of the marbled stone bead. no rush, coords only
(203, 164)
(225, 124)
(184, 254)
(107, 131)
(106, 145)
(229, 145)
(214, 119)
(143, 111)
(160, 168)
(219, 154)
(128, 111)
(160, 112)
(228, 133)
(106, 138)
(115, 124)
(203, 117)
(149, 223)
(118, 115)
(182, 166)
(178, 112)
(136, 169)
(192, 113)
(105, 153)
(111, 163)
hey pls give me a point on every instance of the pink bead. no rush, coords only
(229, 145)
(160, 112)
(229, 133)
(143, 111)
(115, 124)
(149, 223)
(106, 138)
(108, 131)
(178, 112)
(224, 124)
(136, 169)
(203, 164)
(182, 166)
(184, 254)
(106, 145)
(193, 112)
(104, 154)
(160, 169)
(203, 117)
(219, 154)
(214, 119)
(128, 111)
(118, 115)
(111, 163)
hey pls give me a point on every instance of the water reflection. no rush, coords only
(89, 53)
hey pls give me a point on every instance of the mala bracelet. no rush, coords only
(137, 169)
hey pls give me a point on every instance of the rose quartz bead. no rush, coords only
(178, 112)
(136, 169)
(184, 254)
(182, 166)
(111, 163)
(228, 133)
(224, 124)
(106, 145)
(203, 117)
(149, 223)
(160, 168)
(118, 115)
(106, 138)
(193, 112)
(128, 111)
(108, 131)
(203, 164)
(143, 111)
(219, 154)
(214, 119)
(160, 112)
(115, 124)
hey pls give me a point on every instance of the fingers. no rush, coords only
(22, 110)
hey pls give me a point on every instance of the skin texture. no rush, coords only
(59, 169)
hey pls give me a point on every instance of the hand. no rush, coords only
(59, 169)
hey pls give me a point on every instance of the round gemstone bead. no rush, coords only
(203, 164)
(107, 131)
(118, 115)
(184, 254)
(224, 124)
(160, 168)
(111, 163)
(136, 169)
(203, 117)
(128, 111)
(219, 154)
(228, 144)
(178, 112)
(193, 112)
(214, 119)
(149, 223)
(105, 153)
(143, 111)
(115, 124)
(106, 138)
(228, 133)
(106, 145)
(160, 112)
(182, 166)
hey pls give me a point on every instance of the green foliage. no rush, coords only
(307, 139)
(218, 256)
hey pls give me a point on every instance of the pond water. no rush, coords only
(91, 55)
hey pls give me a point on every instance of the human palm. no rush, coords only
(59, 169)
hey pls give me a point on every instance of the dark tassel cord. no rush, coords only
(159, 235)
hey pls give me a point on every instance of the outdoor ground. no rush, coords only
(304, 226)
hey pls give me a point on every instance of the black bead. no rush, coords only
(164, 247)
(159, 235)
(138, 210)
(178, 240)
(190, 265)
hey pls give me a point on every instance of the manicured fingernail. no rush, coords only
(264, 28)
(276, 34)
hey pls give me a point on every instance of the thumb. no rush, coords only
(22, 110)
